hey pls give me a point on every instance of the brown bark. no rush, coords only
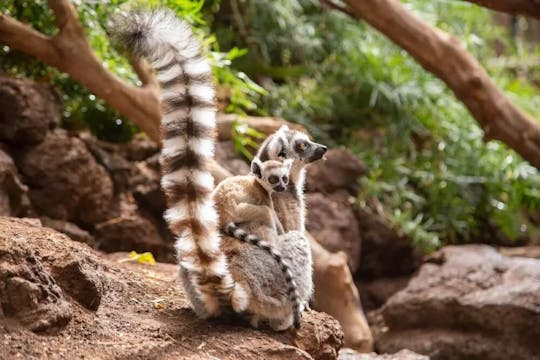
(336, 295)
(443, 55)
(517, 7)
(70, 52)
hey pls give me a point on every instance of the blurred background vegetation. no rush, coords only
(430, 171)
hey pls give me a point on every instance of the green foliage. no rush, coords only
(244, 139)
(81, 108)
(438, 181)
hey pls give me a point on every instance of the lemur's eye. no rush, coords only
(273, 179)
(303, 145)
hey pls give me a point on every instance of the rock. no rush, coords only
(129, 230)
(144, 313)
(340, 170)
(28, 110)
(376, 292)
(13, 193)
(81, 278)
(28, 292)
(385, 252)
(117, 167)
(65, 181)
(330, 219)
(146, 189)
(468, 302)
(348, 354)
(71, 230)
(320, 336)
(139, 148)
(532, 251)
(227, 157)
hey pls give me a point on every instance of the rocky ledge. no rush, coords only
(61, 299)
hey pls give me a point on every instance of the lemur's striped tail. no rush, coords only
(188, 130)
(240, 234)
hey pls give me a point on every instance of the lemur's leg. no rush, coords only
(277, 224)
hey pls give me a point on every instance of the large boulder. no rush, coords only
(28, 292)
(469, 302)
(385, 251)
(65, 180)
(331, 221)
(27, 110)
(128, 229)
(227, 157)
(13, 193)
(340, 170)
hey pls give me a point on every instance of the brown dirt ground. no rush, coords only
(144, 315)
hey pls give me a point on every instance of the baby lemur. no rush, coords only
(245, 209)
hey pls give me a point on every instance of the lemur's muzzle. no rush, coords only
(279, 188)
(318, 153)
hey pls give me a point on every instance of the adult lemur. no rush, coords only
(188, 128)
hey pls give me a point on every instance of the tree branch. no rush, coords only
(442, 54)
(517, 7)
(70, 52)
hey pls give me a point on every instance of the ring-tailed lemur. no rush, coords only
(188, 129)
(246, 213)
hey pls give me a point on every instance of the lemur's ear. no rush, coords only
(256, 168)
(283, 128)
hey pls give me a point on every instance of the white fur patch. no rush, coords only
(239, 298)
(173, 146)
(197, 66)
(206, 214)
(204, 116)
(169, 74)
(165, 59)
(176, 213)
(184, 244)
(202, 147)
(202, 92)
(219, 266)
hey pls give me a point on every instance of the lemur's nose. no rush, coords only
(279, 188)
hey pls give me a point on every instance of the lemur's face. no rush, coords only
(290, 144)
(274, 174)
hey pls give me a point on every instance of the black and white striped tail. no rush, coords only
(240, 234)
(188, 130)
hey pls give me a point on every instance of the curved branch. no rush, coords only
(517, 7)
(443, 55)
(70, 52)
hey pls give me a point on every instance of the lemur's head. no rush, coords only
(273, 174)
(290, 144)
